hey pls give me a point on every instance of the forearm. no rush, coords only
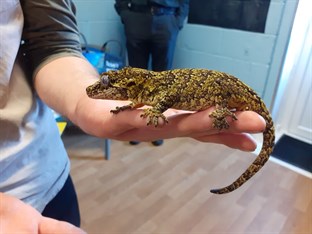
(62, 82)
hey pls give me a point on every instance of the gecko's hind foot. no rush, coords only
(219, 118)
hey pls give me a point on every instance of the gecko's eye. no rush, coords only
(105, 80)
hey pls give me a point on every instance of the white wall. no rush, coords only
(98, 21)
(256, 58)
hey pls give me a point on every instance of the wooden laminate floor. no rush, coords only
(165, 190)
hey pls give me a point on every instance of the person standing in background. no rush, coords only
(151, 29)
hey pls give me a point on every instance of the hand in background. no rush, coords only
(18, 217)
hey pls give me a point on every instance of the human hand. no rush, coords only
(66, 94)
(18, 217)
(95, 119)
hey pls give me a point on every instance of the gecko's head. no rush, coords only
(119, 84)
(127, 78)
(104, 88)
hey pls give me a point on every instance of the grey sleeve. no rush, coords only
(50, 30)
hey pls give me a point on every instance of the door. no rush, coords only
(293, 106)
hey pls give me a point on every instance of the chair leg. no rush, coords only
(107, 148)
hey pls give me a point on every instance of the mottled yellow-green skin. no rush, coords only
(187, 89)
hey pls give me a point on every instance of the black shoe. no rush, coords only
(158, 142)
(134, 142)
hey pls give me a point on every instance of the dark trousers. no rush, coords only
(150, 36)
(64, 206)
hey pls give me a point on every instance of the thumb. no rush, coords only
(53, 226)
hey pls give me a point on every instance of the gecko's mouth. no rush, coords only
(100, 91)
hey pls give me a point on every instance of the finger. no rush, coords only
(16, 216)
(48, 225)
(241, 141)
(247, 121)
(194, 125)
(200, 122)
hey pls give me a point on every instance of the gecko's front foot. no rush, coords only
(153, 116)
(219, 118)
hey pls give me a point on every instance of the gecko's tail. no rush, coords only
(262, 158)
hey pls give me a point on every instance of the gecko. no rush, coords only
(192, 90)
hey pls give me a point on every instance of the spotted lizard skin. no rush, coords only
(187, 89)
